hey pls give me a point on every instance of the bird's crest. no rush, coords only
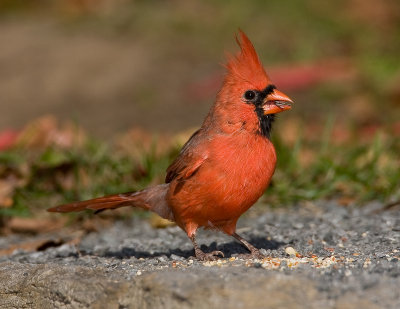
(246, 66)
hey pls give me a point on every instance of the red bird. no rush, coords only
(225, 166)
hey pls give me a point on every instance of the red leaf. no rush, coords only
(8, 139)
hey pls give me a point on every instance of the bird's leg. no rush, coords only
(201, 255)
(254, 252)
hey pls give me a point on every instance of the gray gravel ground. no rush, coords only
(319, 256)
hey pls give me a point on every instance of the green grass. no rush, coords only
(362, 172)
(53, 176)
(358, 171)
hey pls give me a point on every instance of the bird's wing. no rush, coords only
(191, 157)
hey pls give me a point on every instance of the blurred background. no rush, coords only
(141, 75)
(113, 64)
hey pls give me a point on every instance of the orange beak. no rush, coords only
(276, 102)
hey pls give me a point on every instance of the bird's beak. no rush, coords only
(276, 102)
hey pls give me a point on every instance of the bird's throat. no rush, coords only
(265, 122)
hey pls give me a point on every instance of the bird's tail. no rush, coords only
(152, 198)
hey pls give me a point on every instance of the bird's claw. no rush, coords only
(254, 254)
(211, 256)
(257, 255)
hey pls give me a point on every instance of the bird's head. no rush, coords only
(248, 95)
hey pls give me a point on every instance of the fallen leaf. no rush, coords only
(159, 223)
(47, 131)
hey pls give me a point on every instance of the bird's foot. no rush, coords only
(211, 256)
(254, 254)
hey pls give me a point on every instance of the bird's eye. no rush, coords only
(249, 95)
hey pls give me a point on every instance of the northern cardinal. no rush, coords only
(224, 167)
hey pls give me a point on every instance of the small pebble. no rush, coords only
(291, 251)
(176, 257)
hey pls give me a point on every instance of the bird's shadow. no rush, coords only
(229, 249)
